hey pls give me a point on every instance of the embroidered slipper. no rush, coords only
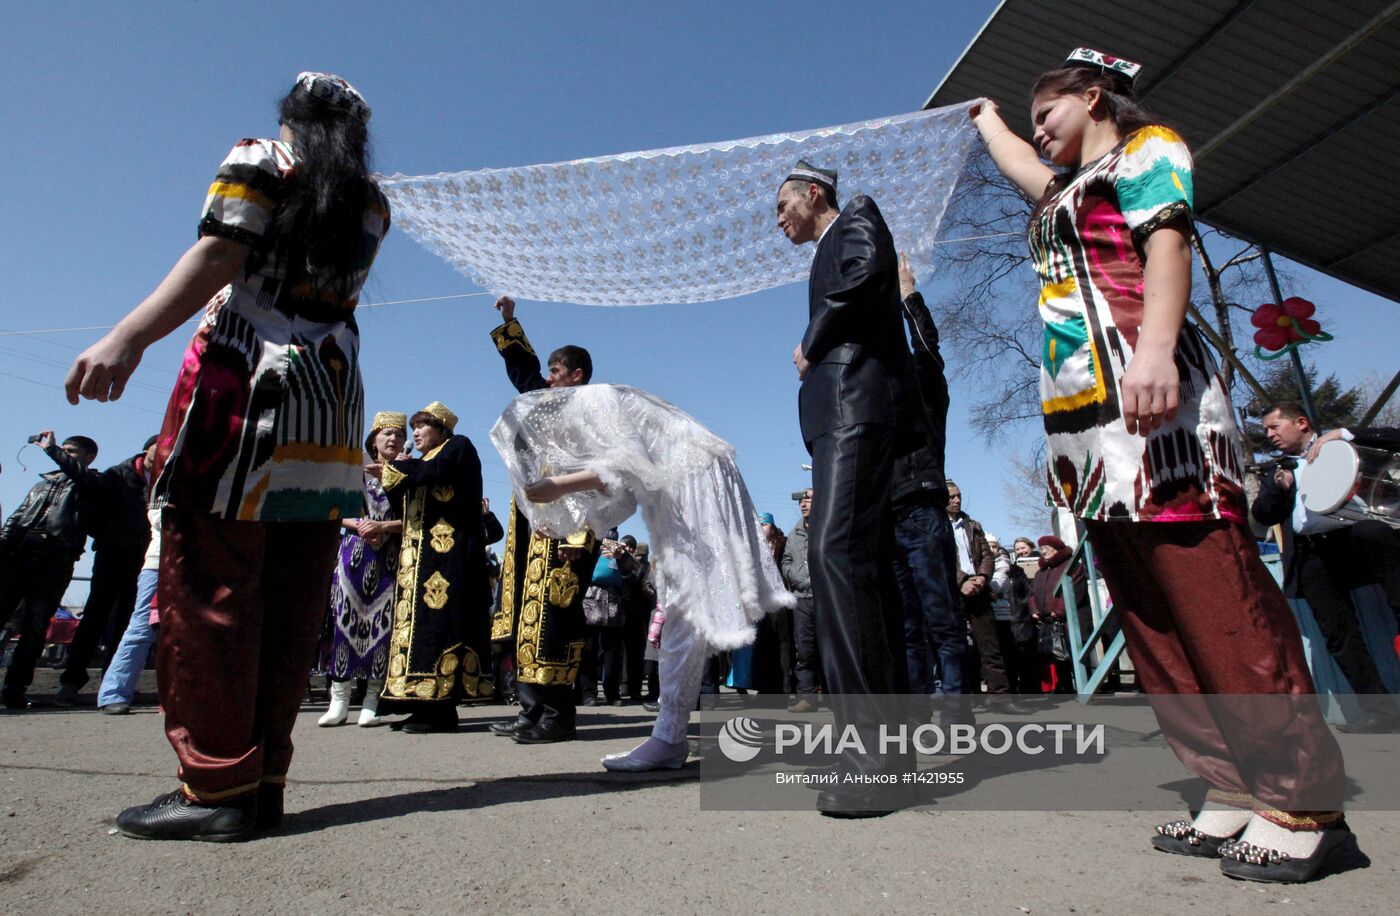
(1337, 851)
(1180, 838)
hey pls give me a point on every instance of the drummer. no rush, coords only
(1324, 558)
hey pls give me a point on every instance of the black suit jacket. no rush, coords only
(1274, 506)
(922, 433)
(855, 337)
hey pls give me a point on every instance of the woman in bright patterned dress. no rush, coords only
(1143, 447)
(260, 454)
(355, 642)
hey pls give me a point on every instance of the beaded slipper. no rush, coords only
(1337, 851)
(1180, 838)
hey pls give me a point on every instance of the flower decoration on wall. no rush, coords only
(1283, 328)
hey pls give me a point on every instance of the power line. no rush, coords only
(107, 327)
(45, 361)
(374, 305)
(119, 403)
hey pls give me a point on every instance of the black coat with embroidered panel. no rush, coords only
(541, 611)
(440, 647)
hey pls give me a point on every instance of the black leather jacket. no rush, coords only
(921, 439)
(51, 511)
(120, 521)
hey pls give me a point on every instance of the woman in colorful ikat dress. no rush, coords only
(260, 454)
(1143, 447)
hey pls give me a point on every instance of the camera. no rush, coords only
(799, 495)
(1274, 465)
(32, 439)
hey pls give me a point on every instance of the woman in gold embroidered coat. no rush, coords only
(440, 648)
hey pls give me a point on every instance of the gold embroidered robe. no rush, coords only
(440, 647)
(541, 608)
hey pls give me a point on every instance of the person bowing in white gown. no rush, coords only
(591, 456)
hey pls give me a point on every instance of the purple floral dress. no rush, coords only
(356, 643)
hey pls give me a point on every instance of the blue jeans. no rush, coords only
(119, 683)
(925, 565)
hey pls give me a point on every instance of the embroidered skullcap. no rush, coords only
(336, 92)
(1106, 64)
(439, 410)
(388, 419)
(805, 171)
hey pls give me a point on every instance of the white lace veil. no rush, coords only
(685, 224)
(637, 443)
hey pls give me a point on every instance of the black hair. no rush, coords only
(827, 193)
(1288, 410)
(1119, 99)
(423, 416)
(320, 225)
(573, 358)
(88, 446)
(629, 541)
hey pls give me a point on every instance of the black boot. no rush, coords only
(269, 805)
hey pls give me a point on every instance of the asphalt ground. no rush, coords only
(379, 821)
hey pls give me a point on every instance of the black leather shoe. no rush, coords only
(649, 706)
(1337, 851)
(269, 805)
(852, 805)
(429, 727)
(508, 729)
(117, 709)
(1180, 838)
(1372, 724)
(589, 701)
(176, 817)
(1011, 708)
(536, 733)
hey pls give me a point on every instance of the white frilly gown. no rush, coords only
(715, 575)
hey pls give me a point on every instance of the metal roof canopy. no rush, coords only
(1290, 109)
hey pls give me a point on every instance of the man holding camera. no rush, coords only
(39, 544)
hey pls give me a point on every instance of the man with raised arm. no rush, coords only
(543, 579)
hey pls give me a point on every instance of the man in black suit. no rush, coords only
(850, 361)
(1325, 558)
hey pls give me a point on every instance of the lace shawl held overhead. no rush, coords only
(684, 224)
(712, 562)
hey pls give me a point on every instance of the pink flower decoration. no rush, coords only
(1276, 323)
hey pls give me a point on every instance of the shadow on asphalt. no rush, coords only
(483, 794)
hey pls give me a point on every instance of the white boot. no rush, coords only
(369, 710)
(340, 704)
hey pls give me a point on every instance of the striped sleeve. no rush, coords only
(1153, 181)
(245, 192)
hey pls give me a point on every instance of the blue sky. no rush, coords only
(118, 114)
